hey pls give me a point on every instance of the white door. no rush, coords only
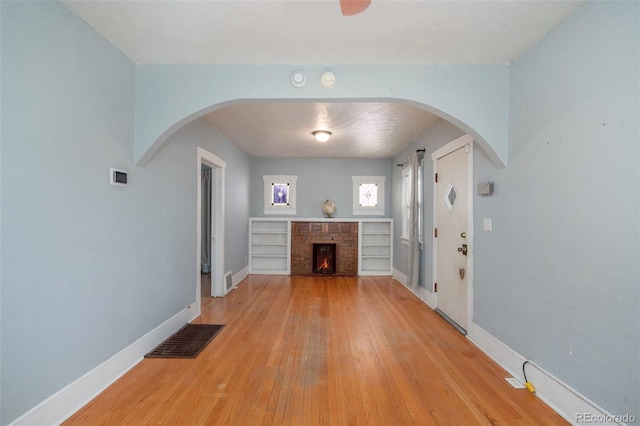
(452, 209)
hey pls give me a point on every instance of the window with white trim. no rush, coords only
(279, 194)
(368, 195)
(406, 208)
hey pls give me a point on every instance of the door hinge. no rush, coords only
(436, 177)
(435, 287)
(435, 233)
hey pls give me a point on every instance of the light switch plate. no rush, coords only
(487, 224)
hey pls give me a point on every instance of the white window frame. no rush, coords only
(406, 189)
(377, 210)
(269, 181)
(406, 182)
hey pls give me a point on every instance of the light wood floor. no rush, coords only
(320, 351)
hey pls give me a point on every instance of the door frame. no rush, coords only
(450, 147)
(218, 167)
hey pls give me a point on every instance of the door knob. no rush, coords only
(463, 249)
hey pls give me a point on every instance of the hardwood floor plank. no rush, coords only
(320, 351)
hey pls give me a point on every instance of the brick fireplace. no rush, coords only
(343, 234)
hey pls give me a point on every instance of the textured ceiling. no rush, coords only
(359, 130)
(315, 32)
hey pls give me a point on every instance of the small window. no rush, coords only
(451, 196)
(279, 194)
(406, 207)
(368, 195)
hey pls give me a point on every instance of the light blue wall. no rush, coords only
(473, 97)
(88, 268)
(66, 284)
(432, 139)
(558, 278)
(318, 180)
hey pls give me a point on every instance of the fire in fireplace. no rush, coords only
(324, 258)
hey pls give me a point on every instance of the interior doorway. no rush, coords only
(206, 224)
(210, 214)
(453, 219)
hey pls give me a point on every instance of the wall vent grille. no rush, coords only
(228, 281)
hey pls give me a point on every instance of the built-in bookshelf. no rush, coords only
(269, 245)
(375, 247)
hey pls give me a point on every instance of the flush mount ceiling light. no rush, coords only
(321, 135)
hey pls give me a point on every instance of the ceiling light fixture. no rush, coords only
(321, 135)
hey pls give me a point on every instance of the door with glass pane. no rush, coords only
(452, 245)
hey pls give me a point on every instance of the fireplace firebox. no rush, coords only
(324, 258)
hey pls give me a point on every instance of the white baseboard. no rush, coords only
(420, 292)
(563, 399)
(61, 405)
(240, 275)
(400, 276)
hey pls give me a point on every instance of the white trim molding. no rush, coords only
(239, 276)
(218, 169)
(64, 403)
(563, 399)
(269, 206)
(420, 292)
(378, 209)
(560, 397)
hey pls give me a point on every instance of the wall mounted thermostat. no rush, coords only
(118, 177)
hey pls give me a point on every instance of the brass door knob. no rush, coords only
(463, 249)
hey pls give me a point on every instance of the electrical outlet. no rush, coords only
(487, 224)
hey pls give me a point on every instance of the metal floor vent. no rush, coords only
(187, 342)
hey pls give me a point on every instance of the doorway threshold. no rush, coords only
(450, 321)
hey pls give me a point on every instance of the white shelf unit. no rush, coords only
(269, 246)
(375, 247)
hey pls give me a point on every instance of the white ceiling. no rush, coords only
(358, 130)
(315, 32)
